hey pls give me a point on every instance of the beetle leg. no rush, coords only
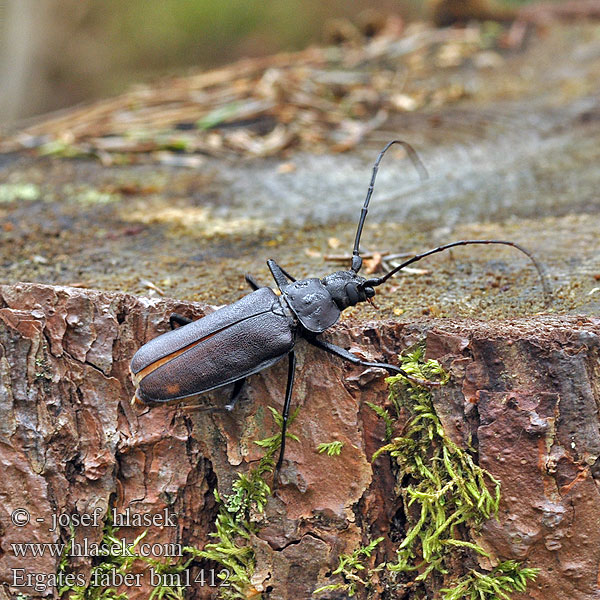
(179, 319)
(287, 274)
(286, 412)
(342, 353)
(235, 394)
(280, 276)
(252, 282)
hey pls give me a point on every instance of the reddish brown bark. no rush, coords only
(524, 392)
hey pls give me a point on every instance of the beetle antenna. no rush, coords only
(419, 166)
(545, 286)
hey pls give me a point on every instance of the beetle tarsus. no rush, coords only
(238, 386)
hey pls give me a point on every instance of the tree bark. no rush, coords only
(524, 393)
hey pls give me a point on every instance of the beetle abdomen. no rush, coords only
(229, 344)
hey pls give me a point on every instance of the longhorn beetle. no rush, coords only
(258, 330)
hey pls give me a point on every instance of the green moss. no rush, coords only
(445, 489)
(236, 521)
(330, 448)
(350, 568)
(387, 418)
(106, 564)
(273, 443)
(450, 492)
(109, 565)
(506, 578)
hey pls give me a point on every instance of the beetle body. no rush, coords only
(258, 330)
(242, 338)
(224, 346)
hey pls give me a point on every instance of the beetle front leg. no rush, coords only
(286, 412)
(343, 353)
(280, 275)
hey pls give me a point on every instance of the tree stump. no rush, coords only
(523, 393)
(511, 142)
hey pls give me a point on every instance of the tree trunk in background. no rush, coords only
(20, 35)
(524, 392)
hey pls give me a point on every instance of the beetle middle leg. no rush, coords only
(254, 285)
(286, 412)
(343, 353)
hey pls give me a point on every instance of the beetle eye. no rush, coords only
(352, 294)
(369, 292)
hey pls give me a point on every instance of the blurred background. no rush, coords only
(186, 163)
(56, 53)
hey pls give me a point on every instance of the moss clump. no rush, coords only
(235, 524)
(349, 567)
(106, 564)
(330, 448)
(236, 521)
(450, 492)
(234, 529)
(507, 577)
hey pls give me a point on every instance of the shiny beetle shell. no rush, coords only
(233, 342)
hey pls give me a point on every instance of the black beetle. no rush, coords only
(258, 330)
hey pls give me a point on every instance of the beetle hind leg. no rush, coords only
(238, 386)
(343, 353)
(179, 319)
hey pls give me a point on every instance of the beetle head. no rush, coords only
(347, 288)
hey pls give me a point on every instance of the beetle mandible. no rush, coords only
(261, 328)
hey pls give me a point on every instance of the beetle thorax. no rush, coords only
(347, 288)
